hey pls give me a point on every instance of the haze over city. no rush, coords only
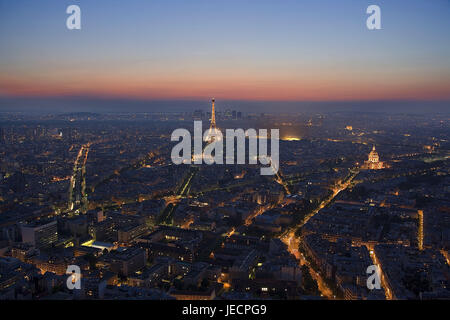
(228, 151)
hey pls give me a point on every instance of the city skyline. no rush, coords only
(100, 195)
(237, 151)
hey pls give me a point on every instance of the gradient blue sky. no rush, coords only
(282, 50)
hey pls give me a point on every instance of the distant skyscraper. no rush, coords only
(420, 231)
(198, 114)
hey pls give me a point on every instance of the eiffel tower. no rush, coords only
(213, 117)
(212, 128)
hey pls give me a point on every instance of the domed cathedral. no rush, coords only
(373, 156)
(374, 163)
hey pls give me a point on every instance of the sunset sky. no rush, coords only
(279, 50)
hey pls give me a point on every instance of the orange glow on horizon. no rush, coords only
(231, 88)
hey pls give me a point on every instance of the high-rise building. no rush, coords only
(40, 234)
(2, 135)
(420, 230)
(198, 115)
